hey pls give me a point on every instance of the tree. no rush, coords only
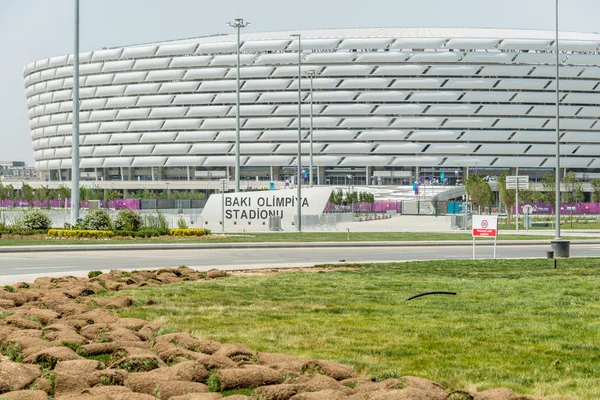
(63, 192)
(573, 189)
(10, 192)
(28, 194)
(507, 196)
(595, 190)
(479, 191)
(549, 188)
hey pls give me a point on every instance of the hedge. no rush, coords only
(144, 233)
(190, 232)
(80, 234)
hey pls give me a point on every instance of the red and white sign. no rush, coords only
(485, 226)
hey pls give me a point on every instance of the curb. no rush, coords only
(274, 245)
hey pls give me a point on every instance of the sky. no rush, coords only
(31, 30)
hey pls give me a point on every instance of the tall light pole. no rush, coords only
(75, 142)
(311, 75)
(558, 245)
(299, 174)
(238, 23)
(557, 176)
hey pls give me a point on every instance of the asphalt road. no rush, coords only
(27, 266)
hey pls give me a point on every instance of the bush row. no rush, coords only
(190, 232)
(81, 234)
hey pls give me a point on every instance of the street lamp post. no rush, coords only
(559, 246)
(223, 187)
(311, 75)
(299, 174)
(75, 144)
(238, 24)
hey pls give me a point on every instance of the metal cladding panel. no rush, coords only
(142, 88)
(418, 43)
(155, 100)
(198, 136)
(103, 115)
(348, 148)
(525, 44)
(165, 75)
(182, 124)
(550, 71)
(462, 161)
(435, 96)
(583, 98)
(267, 84)
(584, 59)
(471, 122)
(148, 125)
(152, 63)
(591, 72)
(223, 161)
(291, 110)
(216, 48)
(472, 43)
(96, 139)
(190, 61)
(178, 87)
(326, 160)
(320, 83)
(587, 111)
(348, 109)
(172, 148)
(205, 73)
(576, 45)
(277, 58)
(505, 70)
(417, 161)
(229, 98)
(453, 70)
(356, 161)
(579, 85)
(134, 113)
(399, 148)
(256, 148)
(157, 137)
(382, 57)
(488, 97)
(486, 136)
(315, 44)
(189, 161)
(377, 135)
(570, 162)
(253, 46)
(221, 123)
(137, 149)
(168, 112)
(115, 162)
(91, 162)
(524, 84)
(572, 124)
(148, 161)
(139, 51)
(451, 148)
(250, 72)
(534, 136)
(400, 70)
(176, 49)
(365, 83)
(498, 148)
(270, 122)
(326, 58)
(189, 99)
(536, 58)
(522, 161)
(466, 109)
(366, 122)
(347, 70)
(114, 126)
(435, 57)
(281, 135)
(418, 83)
(366, 43)
(579, 137)
(97, 80)
(440, 135)
(550, 149)
(269, 160)
(111, 91)
(521, 123)
(337, 96)
(217, 86)
(103, 151)
(208, 111)
(318, 122)
(231, 60)
(292, 148)
(292, 71)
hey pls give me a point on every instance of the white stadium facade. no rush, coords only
(390, 105)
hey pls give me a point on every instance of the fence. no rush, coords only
(133, 204)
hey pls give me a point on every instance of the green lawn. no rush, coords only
(520, 324)
(274, 237)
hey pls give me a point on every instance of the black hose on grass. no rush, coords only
(430, 293)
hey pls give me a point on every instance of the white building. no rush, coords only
(389, 105)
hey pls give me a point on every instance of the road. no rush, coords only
(26, 266)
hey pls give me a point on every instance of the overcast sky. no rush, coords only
(35, 29)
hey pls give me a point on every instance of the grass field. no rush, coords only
(274, 237)
(520, 324)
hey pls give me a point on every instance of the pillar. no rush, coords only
(367, 176)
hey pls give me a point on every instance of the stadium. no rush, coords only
(390, 105)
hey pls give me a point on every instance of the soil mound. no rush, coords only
(14, 376)
(25, 395)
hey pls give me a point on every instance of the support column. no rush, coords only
(367, 176)
(188, 173)
(152, 173)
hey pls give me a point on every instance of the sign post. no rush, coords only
(485, 226)
(517, 182)
(527, 210)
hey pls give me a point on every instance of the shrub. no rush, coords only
(86, 234)
(35, 219)
(96, 220)
(93, 274)
(128, 220)
(144, 233)
(181, 224)
(190, 232)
